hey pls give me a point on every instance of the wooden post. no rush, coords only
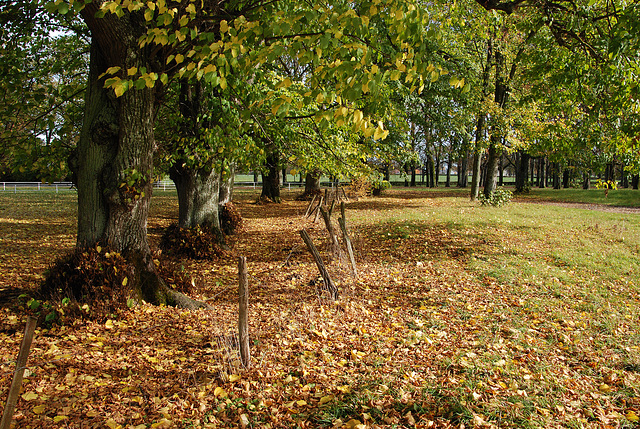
(308, 212)
(16, 384)
(347, 240)
(328, 283)
(317, 209)
(335, 245)
(243, 315)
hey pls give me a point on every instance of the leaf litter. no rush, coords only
(422, 338)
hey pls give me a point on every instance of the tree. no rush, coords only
(137, 46)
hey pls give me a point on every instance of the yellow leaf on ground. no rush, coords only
(326, 399)
(38, 409)
(234, 377)
(30, 396)
(112, 424)
(58, 419)
(632, 416)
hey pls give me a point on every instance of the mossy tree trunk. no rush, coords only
(115, 155)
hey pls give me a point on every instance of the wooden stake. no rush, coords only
(335, 245)
(317, 209)
(328, 283)
(16, 384)
(347, 240)
(243, 314)
(313, 200)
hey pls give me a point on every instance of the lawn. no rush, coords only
(461, 316)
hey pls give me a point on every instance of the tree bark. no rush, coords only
(226, 186)
(198, 196)
(490, 178)
(635, 181)
(413, 174)
(312, 182)
(115, 155)
(522, 172)
(271, 177)
(462, 170)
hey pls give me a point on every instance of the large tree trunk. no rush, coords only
(490, 178)
(198, 196)
(115, 156)
(271, 178)
(635, 181)
(312, 183)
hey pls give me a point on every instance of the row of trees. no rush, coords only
(198, 89)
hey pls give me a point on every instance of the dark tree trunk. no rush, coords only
(406, 175)
(431, 172)
(462, 170)
(447, 183)
(386, 173)
(522, 171)
(635, 181)
(542, 177)
(566, 176)
(284, 176)
(490, 178)
(436, 171)
(271, 178)
(413, 174)
(312, 183)
(609, 172)
(556, 175)
(586, 180)
(624, 177)
(535, 180)
(501, 170)
(476, 171)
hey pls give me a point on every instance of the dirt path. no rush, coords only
(585, 206)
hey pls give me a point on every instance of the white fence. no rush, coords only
(165, 185)
(16, 187)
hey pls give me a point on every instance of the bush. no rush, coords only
(498, 198)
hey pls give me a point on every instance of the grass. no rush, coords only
(617, 197)
(522, 316)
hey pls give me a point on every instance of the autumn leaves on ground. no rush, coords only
(461, 316)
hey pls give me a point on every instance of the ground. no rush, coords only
(461, 316)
